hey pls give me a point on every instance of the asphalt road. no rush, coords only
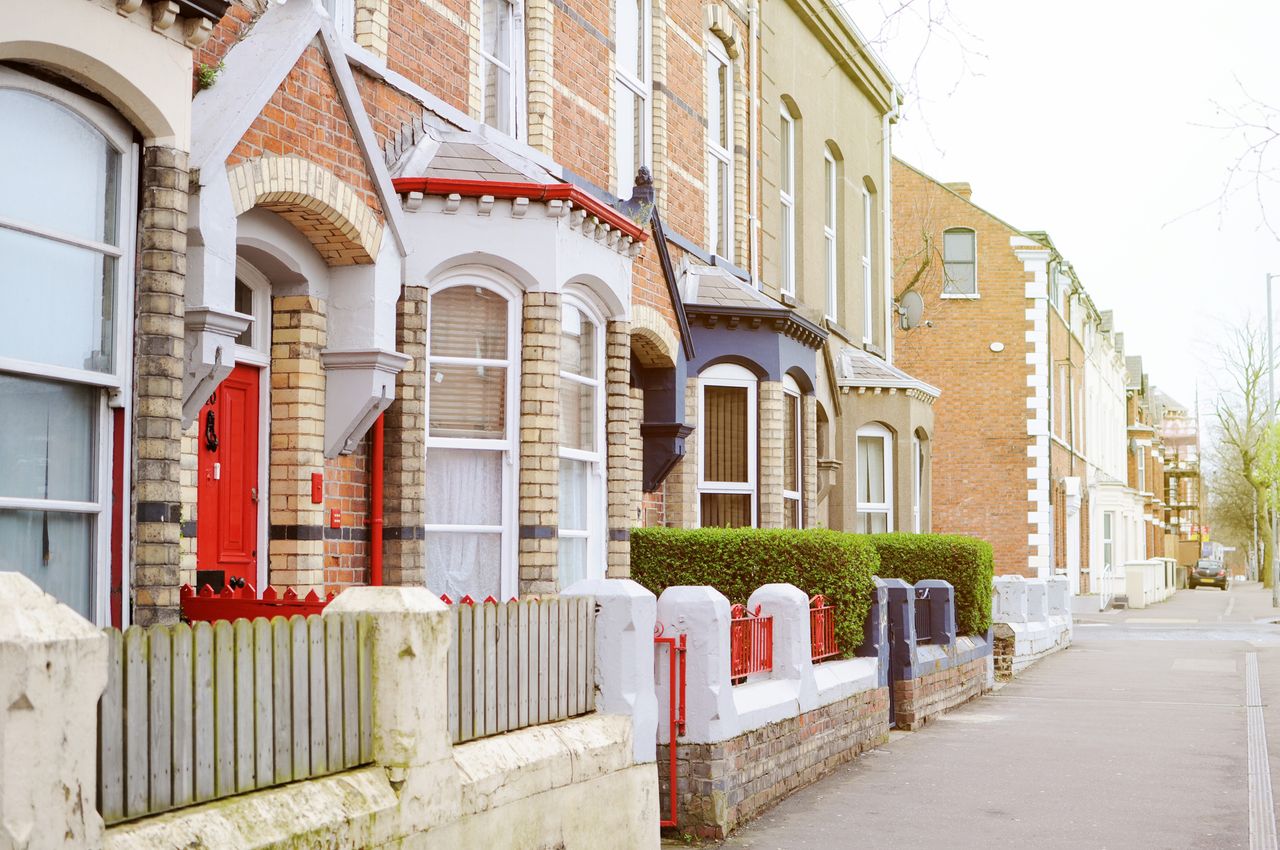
(1135, 737)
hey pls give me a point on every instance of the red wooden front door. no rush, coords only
(227, 505)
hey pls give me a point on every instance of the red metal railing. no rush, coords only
(675, 707)
(750, 643)
(235, 603)
(822, 629)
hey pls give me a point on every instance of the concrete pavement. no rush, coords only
(1136, 737)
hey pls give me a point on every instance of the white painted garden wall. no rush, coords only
(1035, 614)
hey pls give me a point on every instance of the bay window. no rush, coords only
(582, 491)
(67, 188)
(472, 364)
(719, 83)
(632, 119)
(792, 454)
(727, 446)
(787, 201)
(874, 480)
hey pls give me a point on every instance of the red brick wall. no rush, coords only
(980, 443)
(430, 49)
(346, 489)
(306, 118)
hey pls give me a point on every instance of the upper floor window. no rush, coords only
(960, 263)
(499, 64)
(67, 186)
(830, 229)
(719, 73)
(582, 492)
(633, 118)
(1142, 469)
(792, 454)
(343, 13)
(874, 480)
(868, 294)
(787, 201)
(472, 368)
(727, 446)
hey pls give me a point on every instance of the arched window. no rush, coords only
(67, 187)
(831, 229)
(875, 479)
(727, 446)
(787, 200)
(960, 263)
(792, 454)
(720, 138)
(582, 485)
(472, 367)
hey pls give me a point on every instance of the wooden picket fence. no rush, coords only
(520, 663)
(193, 713)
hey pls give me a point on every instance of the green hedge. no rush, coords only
(965, 562)
(736, 561)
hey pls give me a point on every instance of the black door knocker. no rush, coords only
(210, 432)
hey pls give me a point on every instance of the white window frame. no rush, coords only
(343, 13)
(792, 389)
(960, 296)
(1142, 469)
(516, 67)
(787, 201)
(877, 431)
(720, 222)
(597, 508)
(830, 231)
(510, 446)
(730, 375)
(918, 467)
(1108, 540)
(627, 84)
(868, 302)
(119, 382)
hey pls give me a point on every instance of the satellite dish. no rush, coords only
(910, 309)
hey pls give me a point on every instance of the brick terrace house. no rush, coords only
(1146, 460)
(1003, 345)
(349, 245)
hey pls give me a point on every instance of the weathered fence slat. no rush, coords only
(224, 709)
(490, 668)
(479, 612)
(184, 789)
(350, 694)
(333, 691)
(282, 705)
(246, 773)
(202, 697)
(263, 703)
(546, 651)
(502, 666)
(451, 678)
(160, 725)
(315, 678)
(299, 651)
(364, 646)
(590, 606)
(466, 692)
(527, 643)
(135, 717)
(111, 733)
(571, 708)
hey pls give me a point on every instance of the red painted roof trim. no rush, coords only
(532, 191)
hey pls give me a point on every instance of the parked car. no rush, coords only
(1207, 572)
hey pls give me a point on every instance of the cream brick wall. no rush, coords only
(770, 474)
(157, 402)
(624, 484)
(539, 442)
(404, 476)
(373, 25)
(296, 549)
(809, 463)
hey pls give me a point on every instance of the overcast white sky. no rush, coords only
(1080, 118)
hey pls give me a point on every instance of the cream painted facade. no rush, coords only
(828, 106)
